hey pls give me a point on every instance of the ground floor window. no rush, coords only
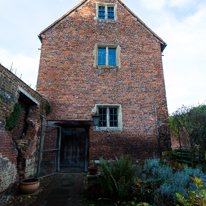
(110, 116)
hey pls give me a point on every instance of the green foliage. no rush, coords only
(132, 203)
(12, 120)
(165, 182)
(117, 177)
(197, 197)
(188, 124)
(48, 108)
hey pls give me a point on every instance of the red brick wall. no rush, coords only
(12, 147)
(73, 86)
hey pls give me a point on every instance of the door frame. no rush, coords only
(79, 123)
(57, 149)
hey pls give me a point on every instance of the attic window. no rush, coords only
(106, 11)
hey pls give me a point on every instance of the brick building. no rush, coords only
(100, 57)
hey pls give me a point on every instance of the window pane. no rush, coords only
(111, 110)
(113, 117)
(112, 57)
(103, 117)
(102, 56)
(111, 13)
(104, 124)
(101, 12)
(104, 110)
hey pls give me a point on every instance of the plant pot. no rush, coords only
(93, 170)
(29, 185)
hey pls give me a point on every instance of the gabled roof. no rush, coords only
(163, 44)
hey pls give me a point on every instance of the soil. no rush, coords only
(16, 199)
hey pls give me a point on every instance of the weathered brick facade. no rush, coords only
(19, 147)
(73, 86)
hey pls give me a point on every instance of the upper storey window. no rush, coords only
(106, 11)
(110, 12)
(101, 12)
(107, 56)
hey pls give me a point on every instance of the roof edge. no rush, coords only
(138, 19)
(163, 43)
(64, 16)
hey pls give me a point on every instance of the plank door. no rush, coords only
(73, 147)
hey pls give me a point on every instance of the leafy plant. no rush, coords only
(117, 177)
(189, 126)
(48, 108)
(12, 120)
(166, 182)
(197, 197)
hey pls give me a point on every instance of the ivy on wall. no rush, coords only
(12, 120)
(48, 108)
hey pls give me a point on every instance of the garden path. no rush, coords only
(64, 190)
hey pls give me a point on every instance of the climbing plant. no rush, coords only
(47, 108)
(12, 120)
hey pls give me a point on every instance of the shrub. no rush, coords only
(197, 197)
(117, 177)
(170, 182)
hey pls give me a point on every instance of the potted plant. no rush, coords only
(29, 185)
(93, 169)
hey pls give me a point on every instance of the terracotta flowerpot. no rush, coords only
(29, 185)
(93, 170)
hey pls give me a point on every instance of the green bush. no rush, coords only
(166, 182)
(117, 177)
(197, 197)
(12, 120)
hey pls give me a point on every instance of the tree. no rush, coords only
(188, 124)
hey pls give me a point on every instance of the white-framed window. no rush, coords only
(106, 11)
(107, 55)
(110, 116)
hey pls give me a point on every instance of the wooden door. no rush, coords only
(73, 147)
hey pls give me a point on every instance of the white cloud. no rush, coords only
(23, 66)
(180, 3)
(151, 4)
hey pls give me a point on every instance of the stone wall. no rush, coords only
(19, 147)
(68, 78)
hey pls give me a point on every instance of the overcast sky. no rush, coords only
(180, 23)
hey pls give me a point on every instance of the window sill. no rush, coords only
(96, 128)
(107, 67)
(105, 20)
